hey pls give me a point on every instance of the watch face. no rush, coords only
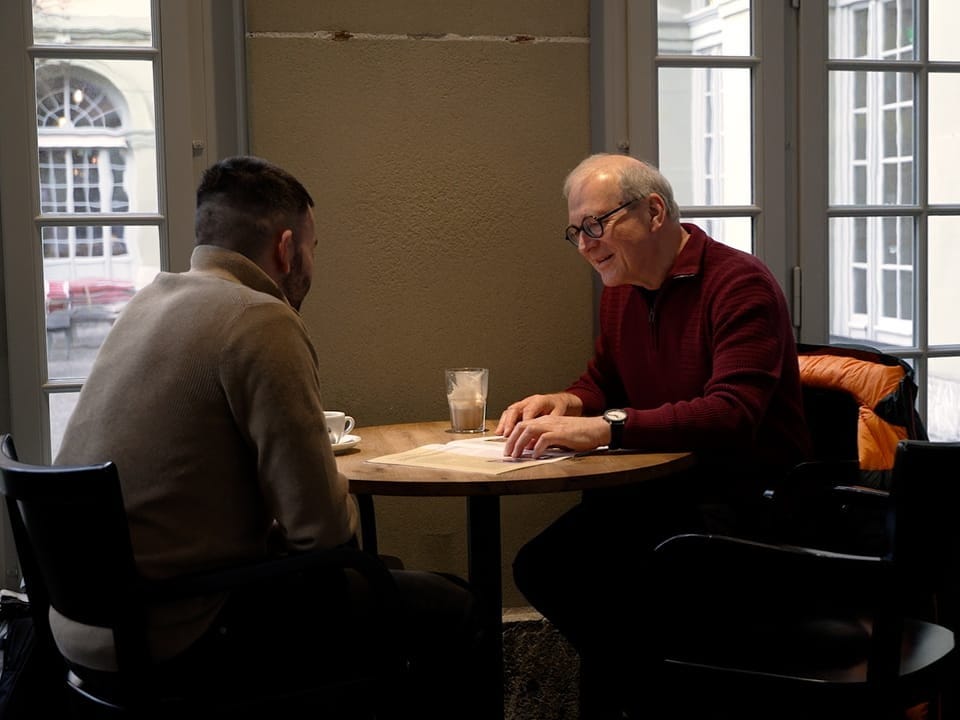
(615, 415)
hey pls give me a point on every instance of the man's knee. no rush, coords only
(532, 571)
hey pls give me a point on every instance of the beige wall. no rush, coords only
(435, 142)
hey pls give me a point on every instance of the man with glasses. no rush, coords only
(696, 352)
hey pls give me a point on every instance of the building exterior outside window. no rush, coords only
(894, 98)
(95, 67)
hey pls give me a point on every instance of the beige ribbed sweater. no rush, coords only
(206, 395)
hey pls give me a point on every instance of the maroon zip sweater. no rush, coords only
(708, 363)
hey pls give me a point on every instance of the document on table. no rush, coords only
(479, 455)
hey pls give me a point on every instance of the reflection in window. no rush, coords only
(872, 146)
(872, 269)
(872, 29)
(896, 261)
(82, 163)
(706, 134)
(67, 102)
(872, 138)
(858, 266)
(705, 106)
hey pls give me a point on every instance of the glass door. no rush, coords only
(86, 212)
(891, 79)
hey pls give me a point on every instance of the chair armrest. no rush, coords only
(224, 579)
(825, 503)
(728, 602)
(737, 576)
(719, 547)
(814, 480)
(862, 496)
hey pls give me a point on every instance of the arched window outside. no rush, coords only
(82, 161)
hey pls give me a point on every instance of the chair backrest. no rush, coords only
(716, 588)
(72, 537)
(926, 536)
(859, 402)
(73, 542)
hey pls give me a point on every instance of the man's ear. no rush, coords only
(285, 251)
(658, 211)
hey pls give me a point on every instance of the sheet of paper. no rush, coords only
(480, 455)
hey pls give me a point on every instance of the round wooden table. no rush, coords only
(588, 470)
(598, 469)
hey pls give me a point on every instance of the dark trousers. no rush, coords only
(316, 628)
(589, 574)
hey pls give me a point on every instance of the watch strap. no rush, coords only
(616, 431)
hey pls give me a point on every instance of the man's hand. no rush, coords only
(535, 406)
(572, 433)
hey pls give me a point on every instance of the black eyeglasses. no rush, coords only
(592, 225)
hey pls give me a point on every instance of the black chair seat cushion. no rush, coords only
(773, 646)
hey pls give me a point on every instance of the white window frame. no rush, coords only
(625, 64)
(817, 211)
(198, 46)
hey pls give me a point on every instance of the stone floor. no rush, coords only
(541, 669)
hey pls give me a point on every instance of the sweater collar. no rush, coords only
(690, 259)
(231, 265)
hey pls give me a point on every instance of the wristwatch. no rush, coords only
(617, 419)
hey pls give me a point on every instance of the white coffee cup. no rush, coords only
(338, 425)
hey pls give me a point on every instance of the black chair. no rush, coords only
(71, 535)
(754, 630)
(858, 402)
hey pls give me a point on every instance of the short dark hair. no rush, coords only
(243, 201)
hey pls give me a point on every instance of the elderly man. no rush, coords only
(696, 352)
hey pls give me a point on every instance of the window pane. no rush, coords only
(97, 145)
(695, 27)
(944, 20)
(872, 279)
(905, 300)
(906, 131)
(688, 126)
(859, 291)
(860, 136)
(906, 248)
(889, 237)
(888, 294)
(83, 294)
(61, 407)
(944, 138)
(943, 399)
(861, 33)
(943, 290)
(733, 231)
(860, 184)
(889, 26)
(92, 22)
(860, 240)
(859, 90)
(871, 144)
(855, 32)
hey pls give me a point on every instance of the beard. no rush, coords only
(296, 283)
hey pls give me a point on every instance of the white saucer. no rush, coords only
(346, 442)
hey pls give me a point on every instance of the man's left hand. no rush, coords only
(572, 433)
